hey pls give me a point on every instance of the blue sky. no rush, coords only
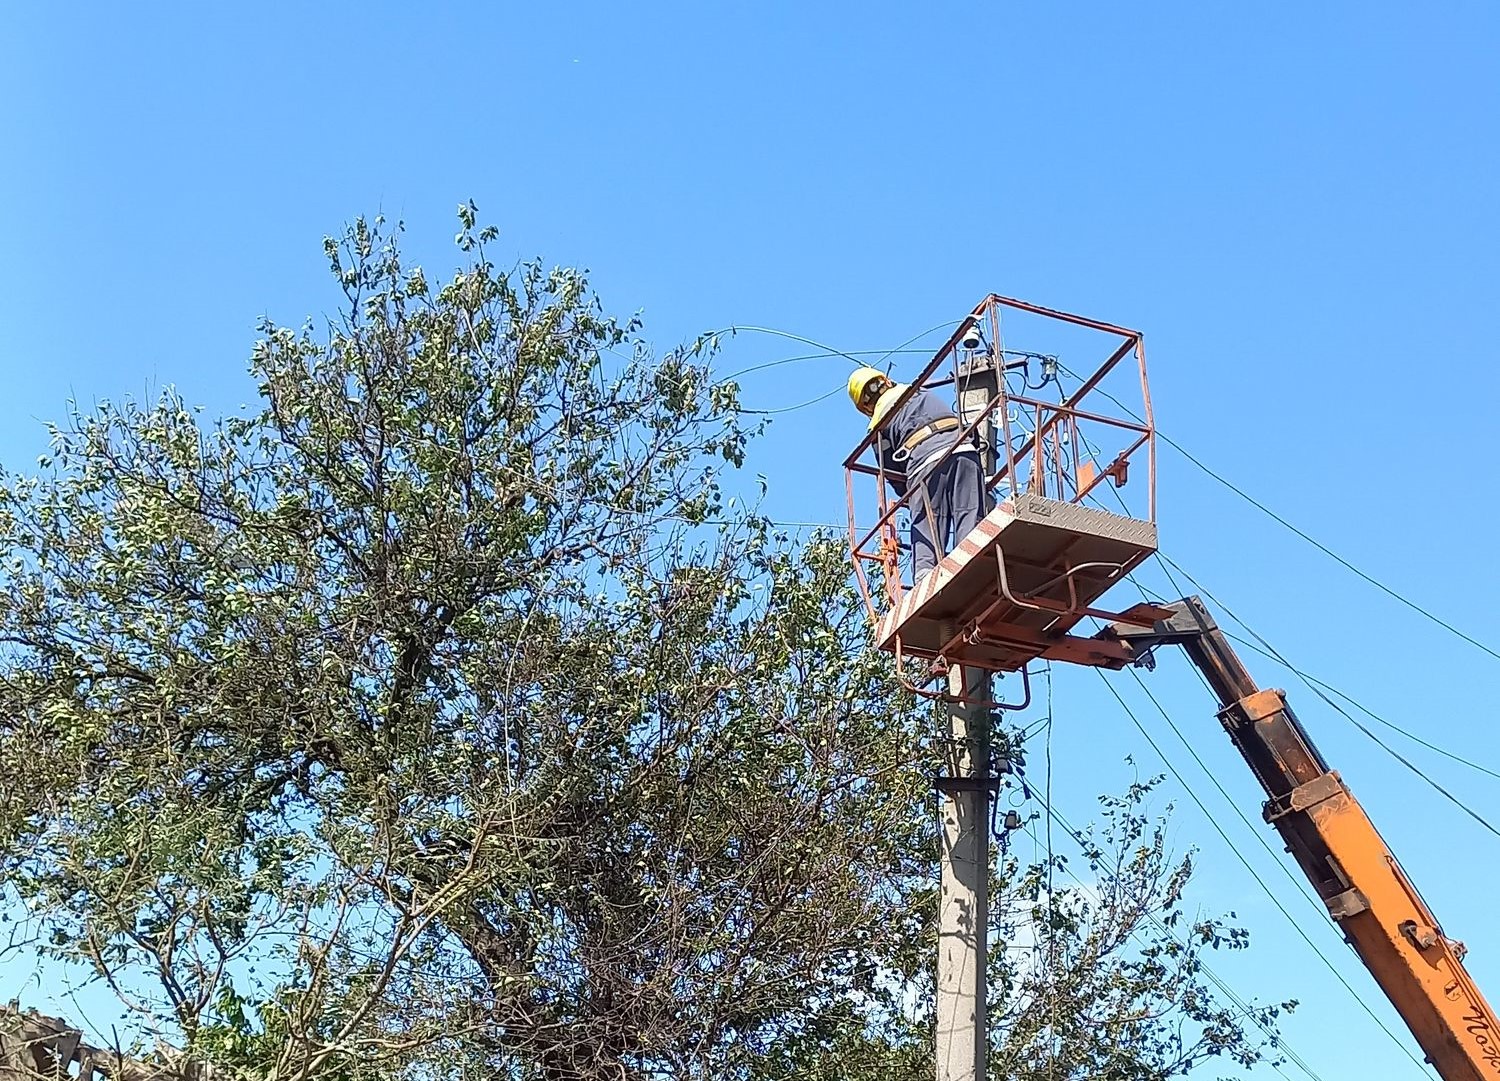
(1294, 202)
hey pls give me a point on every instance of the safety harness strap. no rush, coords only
(944, 424)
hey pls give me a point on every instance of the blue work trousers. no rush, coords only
(946, 503)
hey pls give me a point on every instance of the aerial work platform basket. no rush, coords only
(1040, 561)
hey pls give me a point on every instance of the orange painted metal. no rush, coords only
(1386, 921)
(1342, 854)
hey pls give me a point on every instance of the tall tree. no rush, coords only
(447, 717)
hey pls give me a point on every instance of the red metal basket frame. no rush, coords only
(880, 543)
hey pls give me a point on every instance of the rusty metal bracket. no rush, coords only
(1349, 903)
(1307, 795)
(956, 699)
(968, 784)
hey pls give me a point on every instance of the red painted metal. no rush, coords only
(1045, 456)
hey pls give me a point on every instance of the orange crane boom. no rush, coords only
(1342, 854)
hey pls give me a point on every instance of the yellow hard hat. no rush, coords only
(860, 379)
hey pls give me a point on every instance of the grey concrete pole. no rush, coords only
(963, 905)
(963, 912)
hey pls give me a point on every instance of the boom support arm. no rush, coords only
(1341, 853)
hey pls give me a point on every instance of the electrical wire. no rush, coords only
(1275, 1039)
(737, 328)
(879, 354)
(1313, 682)
(1264, 648)
(1300, 886)
(1475, 815)
(791, 408)
(1303, 534)
(1413, 605)
(914, 338)
(829, 351)
(1309, 678)
(1053, 814)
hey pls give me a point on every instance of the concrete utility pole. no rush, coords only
(963, 905)
(963, 915)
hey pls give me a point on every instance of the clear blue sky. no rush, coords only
(1295, 202)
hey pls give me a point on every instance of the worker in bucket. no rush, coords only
(948, 496)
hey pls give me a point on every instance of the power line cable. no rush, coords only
(1300, 887)
(829, 351)
(879, 354)
(1371, 579)
(1313, 684)
(1053, 813)
(1277, 1040)
(1317, 686)
(1282, 660)
(737, 328)
(1357, 704)
(915, 338)
(1397, 755)
(792, 408)
(1306, 677)
(1258, 505)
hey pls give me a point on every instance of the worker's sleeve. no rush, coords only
(895, 475)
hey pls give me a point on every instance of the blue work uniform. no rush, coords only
(948, 495)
